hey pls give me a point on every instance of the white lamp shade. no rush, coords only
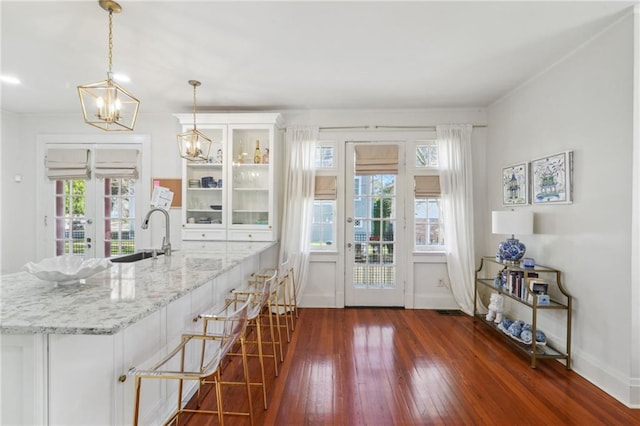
(512, 222)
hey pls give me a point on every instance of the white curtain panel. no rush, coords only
(299, 187)
(454, 148)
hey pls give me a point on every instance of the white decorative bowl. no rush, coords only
(66, 269)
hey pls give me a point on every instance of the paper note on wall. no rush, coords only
(162, 197)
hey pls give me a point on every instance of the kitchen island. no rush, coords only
(66, 349)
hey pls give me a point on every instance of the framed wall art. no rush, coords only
(551, 179)
(515, 184)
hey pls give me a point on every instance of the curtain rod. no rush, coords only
(366, 127)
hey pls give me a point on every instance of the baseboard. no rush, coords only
(317, 301)
(624, 389)
(434, 302)
(420, 302)
(634, 393)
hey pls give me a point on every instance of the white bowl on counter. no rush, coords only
(66, 269)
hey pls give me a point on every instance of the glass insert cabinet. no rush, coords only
(232, 195)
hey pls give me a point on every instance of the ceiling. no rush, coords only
(290, 55)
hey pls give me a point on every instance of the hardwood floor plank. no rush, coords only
(414, 367)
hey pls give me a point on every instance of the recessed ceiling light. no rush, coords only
(9, 79)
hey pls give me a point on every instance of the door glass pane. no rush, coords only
(250, 194)
(204, 194)
(70, 216)
(374, 236)
(119, 216)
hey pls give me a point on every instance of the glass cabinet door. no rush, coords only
(204, 187)
(251, 176)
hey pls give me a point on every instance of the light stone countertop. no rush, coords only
(118, 297)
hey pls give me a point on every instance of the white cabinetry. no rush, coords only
(233, 196)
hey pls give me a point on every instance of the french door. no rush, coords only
(95, 217)
(375, 230)
(90, 217)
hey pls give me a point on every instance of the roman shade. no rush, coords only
(64, 164)
(427, 186)
(117, 163)
(325, 188)
(376, 159)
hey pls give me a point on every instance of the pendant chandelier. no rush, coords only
(193, 145)
(105, 104)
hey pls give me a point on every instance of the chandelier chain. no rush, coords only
(110, 40)
(194, 106)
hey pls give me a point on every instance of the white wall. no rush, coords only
(583, 104)
(17, 209)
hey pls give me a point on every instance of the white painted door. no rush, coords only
(374, 233)
(95, 217)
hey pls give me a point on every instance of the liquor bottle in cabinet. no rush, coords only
(257, 154)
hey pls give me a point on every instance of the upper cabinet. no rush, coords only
(232, 195)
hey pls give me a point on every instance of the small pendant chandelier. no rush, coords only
(105, 104)
(193, 145)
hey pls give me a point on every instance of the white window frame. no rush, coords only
(328, 171)
(327, 247)
(334, 146)
(415, 170)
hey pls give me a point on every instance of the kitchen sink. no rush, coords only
(134, 257)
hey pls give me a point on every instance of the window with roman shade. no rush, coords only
(117, 163)
(376, 160)
(428, 226)
(427, 186)
(64, 164)
(325, 188)
(323, 226)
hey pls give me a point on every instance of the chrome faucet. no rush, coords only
(166, 242)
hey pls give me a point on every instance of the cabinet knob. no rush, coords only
(122, 378)
(202, 235)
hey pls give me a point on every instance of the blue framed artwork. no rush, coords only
(551, 179)
(515, 184)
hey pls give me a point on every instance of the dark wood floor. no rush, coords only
(415, 367)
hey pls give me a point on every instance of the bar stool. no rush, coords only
(287, 296)
(209, 349)
(292, 292)
(261, 291)
(274, 308)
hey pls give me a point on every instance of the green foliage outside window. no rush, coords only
(76, 198)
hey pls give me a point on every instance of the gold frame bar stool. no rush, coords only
(199, 358)
(261, 290)
(286, 295)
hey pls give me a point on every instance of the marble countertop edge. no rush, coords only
(112, 300)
